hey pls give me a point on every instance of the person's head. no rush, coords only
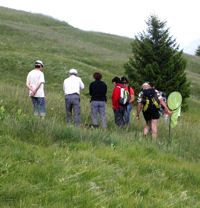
(151, 84)
(124, 81)
(146, 85)
(116, 80)
(39, 64)
(97, 76)
(73, 72)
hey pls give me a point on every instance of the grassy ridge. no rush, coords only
(52, 164)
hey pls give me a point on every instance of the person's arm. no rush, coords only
(36, 89)
(90, 89)
(64, 86)
(105, 89)
(139, 106)
(115, 96)
(81, 85)
(29, 86)
(132, 97)
(165, 106)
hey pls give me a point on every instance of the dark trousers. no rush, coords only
(119, 117)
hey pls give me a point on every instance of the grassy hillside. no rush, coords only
(53, 164)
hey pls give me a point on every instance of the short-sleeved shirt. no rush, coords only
(72, 85)
(130, 90)
(34, 78)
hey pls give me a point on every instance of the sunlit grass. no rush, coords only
(49, 163)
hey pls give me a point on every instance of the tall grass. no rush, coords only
(50, 163)
(18, 116)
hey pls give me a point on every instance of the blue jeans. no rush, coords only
(38, 106)
(127, 113)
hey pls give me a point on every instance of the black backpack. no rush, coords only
(150, 100)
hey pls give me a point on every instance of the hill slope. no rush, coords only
(52, 164)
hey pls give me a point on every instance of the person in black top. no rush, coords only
(98, 90)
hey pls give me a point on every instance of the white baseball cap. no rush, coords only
(73, 71)
(38, 62)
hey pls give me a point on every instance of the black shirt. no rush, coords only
(98, 90)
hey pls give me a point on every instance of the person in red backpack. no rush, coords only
(118, 109)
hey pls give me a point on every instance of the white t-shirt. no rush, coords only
(34, 78)
(72, 84)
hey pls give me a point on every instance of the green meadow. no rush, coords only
(49, 163)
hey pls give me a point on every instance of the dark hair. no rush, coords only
(151, 84)
(116, 79)
(37, 66)
(124, 79)
(97, 76)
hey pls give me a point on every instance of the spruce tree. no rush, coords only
(197, 53)
(156, 59)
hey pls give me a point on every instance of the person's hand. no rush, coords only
(33, 92)
(169, 112)
(138, 118)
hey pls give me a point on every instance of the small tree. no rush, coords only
(197, 52)
(156, 59)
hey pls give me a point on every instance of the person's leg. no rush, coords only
(147, 117)
(102, 107)
(154, 123)
(41, 102)
(68, 107)
(119, 116)
(147, 127)
(35, 105)
(76, 109)
(94, 111)
(127, 113)
(154, 127)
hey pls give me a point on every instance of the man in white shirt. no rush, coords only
(71, 87)
(35, 83)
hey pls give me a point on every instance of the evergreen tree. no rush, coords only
(156, 59)
(197, 53)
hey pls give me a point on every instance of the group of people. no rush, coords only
(148, 99)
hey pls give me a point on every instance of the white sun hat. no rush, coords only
(73, 71)
(145, 84)
(38, 62)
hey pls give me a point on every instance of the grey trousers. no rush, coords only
(98, 107)
(72, 103)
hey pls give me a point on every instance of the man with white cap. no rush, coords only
(71, 87)
(35, 83)
(150, 98)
